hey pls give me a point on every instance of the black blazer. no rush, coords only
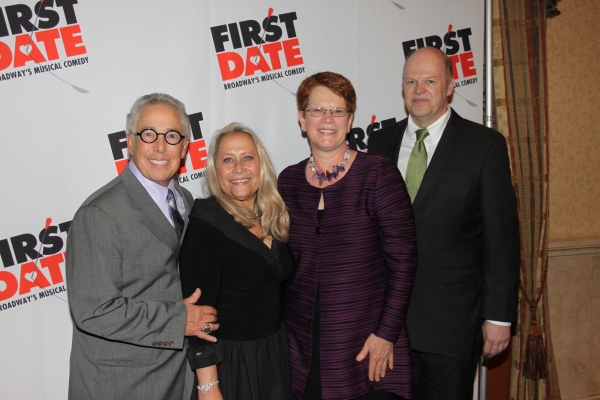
(467, 237)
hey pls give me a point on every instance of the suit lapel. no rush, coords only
(188, 202)
(398, 141)
(445, 148)
(150, 215)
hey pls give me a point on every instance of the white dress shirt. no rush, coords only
(431, 141)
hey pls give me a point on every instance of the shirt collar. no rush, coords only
(157, 191)
(435, 130)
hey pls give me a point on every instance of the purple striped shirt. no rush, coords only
(361, 258)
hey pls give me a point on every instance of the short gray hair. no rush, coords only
(157, 98)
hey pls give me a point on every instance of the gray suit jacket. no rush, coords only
(125, 296)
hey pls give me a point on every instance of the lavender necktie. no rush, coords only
(174, 213)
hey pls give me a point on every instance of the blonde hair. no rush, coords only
(273, 214)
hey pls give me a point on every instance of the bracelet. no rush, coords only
(205, 386)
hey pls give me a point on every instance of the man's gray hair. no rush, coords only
(157, 98)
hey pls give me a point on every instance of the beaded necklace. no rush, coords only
(323, 176)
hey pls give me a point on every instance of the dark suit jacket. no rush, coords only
(125, 296)
(467, 237)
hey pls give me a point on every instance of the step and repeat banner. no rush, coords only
(70, 70)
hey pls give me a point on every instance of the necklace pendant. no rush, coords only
(329, 176)
(335, 171)
(323, 176)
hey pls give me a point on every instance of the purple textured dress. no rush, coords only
(361, 260)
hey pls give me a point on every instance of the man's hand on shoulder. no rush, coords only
(198, 317)
(495, 339)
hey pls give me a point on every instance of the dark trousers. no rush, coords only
(444, 377)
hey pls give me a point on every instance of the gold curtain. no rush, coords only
(521, 114)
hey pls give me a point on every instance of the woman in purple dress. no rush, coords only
(353, 238)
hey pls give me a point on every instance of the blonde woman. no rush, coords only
(234, 250)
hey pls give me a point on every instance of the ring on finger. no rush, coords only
(207, 329)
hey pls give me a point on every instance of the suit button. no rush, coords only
(171, 343)
(159, 344)
(154, 344)
(318, 230)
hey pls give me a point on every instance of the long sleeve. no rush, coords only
(393, 210)
(200, 267)
(501, 236)
(104, 298)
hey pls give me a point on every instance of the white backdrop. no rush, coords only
(65, 90)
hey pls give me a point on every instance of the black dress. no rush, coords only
(241, 277)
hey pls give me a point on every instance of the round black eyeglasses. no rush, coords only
(149, 135)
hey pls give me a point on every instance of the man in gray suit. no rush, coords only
(124, 290)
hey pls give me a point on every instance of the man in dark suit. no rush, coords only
(458, 175)
(122, 250)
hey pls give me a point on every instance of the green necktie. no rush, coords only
(417, 164)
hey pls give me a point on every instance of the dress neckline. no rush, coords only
(359, 154)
